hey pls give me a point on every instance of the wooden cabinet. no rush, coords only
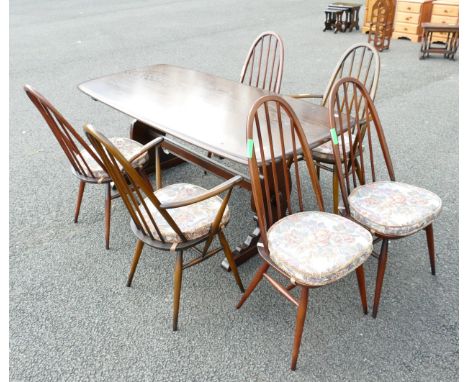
(444, 12)
(410, 14)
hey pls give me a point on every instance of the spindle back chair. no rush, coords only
(370, 172)
(75, 147)
(361, 61)
(263, 67)
(283, 179)
(149, 215)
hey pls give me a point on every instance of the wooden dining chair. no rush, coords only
(85, 164)
(309, 248)
(361, 61)
(390, 210)
(263, 67)
(174, 218)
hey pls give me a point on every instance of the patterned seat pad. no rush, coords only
(126, 146)
(194, 220)
(325, 151)
(317, 248)
(393, 208)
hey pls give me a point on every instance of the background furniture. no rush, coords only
(381, 24)
(334, 16)
(444, 12)
(389, 209)
(174, 218)
(450, 45)
(410, 14)
(86, 165)
(202, 110)
(309, 248)
(367, 15)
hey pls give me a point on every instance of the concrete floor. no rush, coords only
(71, 316)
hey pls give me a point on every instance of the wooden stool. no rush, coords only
(351, 14)
(334, 20)
(448, 49)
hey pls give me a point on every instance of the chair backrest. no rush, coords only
(134, 190)
(360, 61)
(70, 141)
(360, 165)
(277, 149)
(263, 67)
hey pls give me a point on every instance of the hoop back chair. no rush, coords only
(294, 240)
(263, 67)
(174, 218)
(388, 209)
(85, 164)
(361, 61)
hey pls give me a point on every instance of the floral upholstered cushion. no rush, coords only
(325, 151)
(394, 208)
(126, 146)
(318, 248)
(194, 220)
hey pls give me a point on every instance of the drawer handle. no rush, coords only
(405, 29)
(408, 8)
(408, 18)
(445, 11)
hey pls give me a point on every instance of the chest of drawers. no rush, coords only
(409, 16)
(444, 12)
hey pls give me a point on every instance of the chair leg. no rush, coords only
(300, 318)
(256, 279)
(361, 278)
(317, 169)
(136, 258)
(79, 199)
(335, 190)
(380, 276)
(230, 259)
(177, 288)
(430, 246)
(107, 216)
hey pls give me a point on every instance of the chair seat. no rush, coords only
(393, 208)
(126, 146)
(317, 248)
(194, 220)
(325, 151)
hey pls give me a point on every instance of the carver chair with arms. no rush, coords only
(361, 61)
(309, 248)
(85, 164)
(390, 210)
(173, 218)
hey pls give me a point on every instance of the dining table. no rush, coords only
(205, 113)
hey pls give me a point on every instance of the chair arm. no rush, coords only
(305, 95)
(219, 189)
(155, 142)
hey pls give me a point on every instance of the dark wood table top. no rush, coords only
(204, 110)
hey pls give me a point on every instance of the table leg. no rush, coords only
(144, 133)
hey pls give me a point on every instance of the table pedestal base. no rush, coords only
(143, 133)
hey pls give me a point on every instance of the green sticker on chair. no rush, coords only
(250, 144)
(334, 136)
